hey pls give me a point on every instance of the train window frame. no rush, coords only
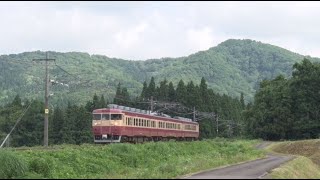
(94, 116)
(116, 117)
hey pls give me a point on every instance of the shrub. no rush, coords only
(11, 165)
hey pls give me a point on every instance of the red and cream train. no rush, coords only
(124, 124)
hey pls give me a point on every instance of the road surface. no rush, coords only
(255, 169)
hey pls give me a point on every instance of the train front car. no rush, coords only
(106, 125)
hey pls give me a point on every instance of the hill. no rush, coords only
(232, 67)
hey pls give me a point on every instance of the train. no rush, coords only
(117, 124)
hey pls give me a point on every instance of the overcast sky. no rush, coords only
(145, 30)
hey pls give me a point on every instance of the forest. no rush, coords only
(72, 125)
(232, 67)
(287, 108)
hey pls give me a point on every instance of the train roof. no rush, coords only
(118, 109)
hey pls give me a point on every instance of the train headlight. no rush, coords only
(104, 136)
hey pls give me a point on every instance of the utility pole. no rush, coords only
(151, 103)
(194, 113)
(46, 98)
(217, 125)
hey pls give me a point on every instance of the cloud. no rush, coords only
(200, 39)
(144, 30)
(128, 38)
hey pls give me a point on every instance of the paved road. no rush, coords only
(250, 170)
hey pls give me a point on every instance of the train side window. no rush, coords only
(116, 117)
(105, 116)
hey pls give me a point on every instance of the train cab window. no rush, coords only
(96, 116)
(116, 117)
(105, 116)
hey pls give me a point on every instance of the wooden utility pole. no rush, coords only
(194, 113)
(151, 103)
(46, 98)
(217, 125)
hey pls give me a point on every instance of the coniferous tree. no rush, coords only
(57, 125)
(181, 92)
(144, 90)
(151, 88)
(102, 103)
(171, 93)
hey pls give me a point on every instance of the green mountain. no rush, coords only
(232, 67)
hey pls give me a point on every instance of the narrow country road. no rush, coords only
(255, 169)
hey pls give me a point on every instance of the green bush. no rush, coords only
(11, 165)
(41, 166)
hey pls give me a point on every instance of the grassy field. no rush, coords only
(307, 163)
(149, 160)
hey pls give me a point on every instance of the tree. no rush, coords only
(17, 101)
(171, 93)
(163, 90)
(95, 101)
(151, 88)
(57, 125)
(102, 103)
(144, 90)
(242, 101)
(181, 92)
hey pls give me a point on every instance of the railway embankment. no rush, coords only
(306, 165)
(148, 160)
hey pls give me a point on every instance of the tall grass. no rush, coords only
(149, 160)
(11, 165)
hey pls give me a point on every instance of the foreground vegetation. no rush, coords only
(307, 163)
(149, 160)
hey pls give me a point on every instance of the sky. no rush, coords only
(146, 30)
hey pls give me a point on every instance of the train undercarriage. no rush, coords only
(106, 139)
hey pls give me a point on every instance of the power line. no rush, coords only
(18, 120)
(46, 97)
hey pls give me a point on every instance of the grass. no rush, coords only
(11, 165)
(307, 163)
(145, 161)
(299, 168)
